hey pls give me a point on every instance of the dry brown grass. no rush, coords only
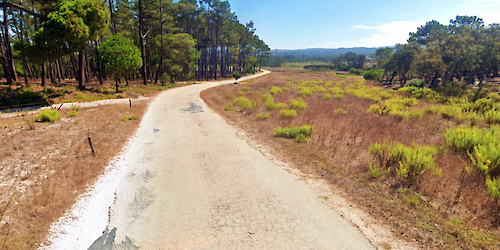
(42, 171)
(451, 211)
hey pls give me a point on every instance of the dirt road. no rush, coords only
(191, 183)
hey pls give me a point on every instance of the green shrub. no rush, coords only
(411, 161)
(229, 107)
(269, 101)
(486, 157)
(355, 71)
(49, 115)
(245, 88)
(75, 107)
(416, 114)
(327, 97)
(338, 96)
(474, 118)
(317, 88)
(74, 110)
(244, 103)
(372, 75)
(451, 111)
(281, 105)
(299, 133)
(492, 116)
(376, 171)
(239, 93)
(298, 104)
(381, 109)
(401, 103)
(493, 185)
(382, 151)
(465, 138)
(483, 148)
(306, 92)
(336, 90)
(288, 113)
(80, 96)
(263, 116)
(286, 89)
(431, 109)
(73, 113)
(340, 112)
(275, 90)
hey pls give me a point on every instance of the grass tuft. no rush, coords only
(288, 113)
(306, 92)
(340, 112)
(129, 118)
(269, 101)
(49, 115)
(229, 107)
(261, 116)
(275, 90)
(244, 103)
(298, 104)
(299, 133)
(376, 171)
(411, 161)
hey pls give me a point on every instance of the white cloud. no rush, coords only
(490, 17)
(364, 27)
(387, 34)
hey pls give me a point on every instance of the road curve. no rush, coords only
(191, 183)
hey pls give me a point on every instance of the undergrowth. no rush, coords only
(410, 162)
(483, 148)
(49, 115)
(301, 133)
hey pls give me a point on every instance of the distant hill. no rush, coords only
(321, 53)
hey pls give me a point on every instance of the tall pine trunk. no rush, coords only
(81, 70)
(143, 45)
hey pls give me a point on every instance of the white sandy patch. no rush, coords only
(36, 109)
(85, 222)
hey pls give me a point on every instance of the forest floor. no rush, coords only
(442, 211)
(45, 166)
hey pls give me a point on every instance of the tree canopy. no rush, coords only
(69, 25)
(58, 39)
(465, 49)
(119, 56)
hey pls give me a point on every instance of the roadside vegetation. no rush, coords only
(46, 162)
(46, 159)
(422, 161)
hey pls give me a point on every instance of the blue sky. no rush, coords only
(294, 24)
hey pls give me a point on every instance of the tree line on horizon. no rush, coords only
(95, 39)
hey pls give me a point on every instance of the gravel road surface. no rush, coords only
(191, 182)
